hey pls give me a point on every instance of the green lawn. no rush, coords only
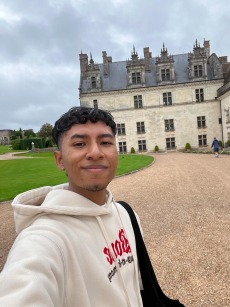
(5, 149)
(17, 176)
(129, 163)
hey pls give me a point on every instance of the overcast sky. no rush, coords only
(40, 43)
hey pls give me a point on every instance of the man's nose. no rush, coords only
(94, 151)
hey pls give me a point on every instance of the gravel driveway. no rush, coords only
(183, 201)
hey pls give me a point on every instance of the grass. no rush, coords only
(17, 176)
(130, 163)
(6, 149)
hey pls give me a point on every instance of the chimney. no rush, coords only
(106, 61)
(207, 48)
(147, 57)
(83, 64)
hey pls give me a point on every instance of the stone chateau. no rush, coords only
(167, 100)
(5, 136)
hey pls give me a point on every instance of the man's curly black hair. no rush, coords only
(80, 115)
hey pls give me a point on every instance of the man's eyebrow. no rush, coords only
(83, 136)
(106, 135)
(78, 136)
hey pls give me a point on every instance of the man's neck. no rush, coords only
(98, 197)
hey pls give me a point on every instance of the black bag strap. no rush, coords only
(149, 280)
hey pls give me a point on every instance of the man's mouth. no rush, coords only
(95, 167)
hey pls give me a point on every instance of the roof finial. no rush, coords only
(91, 59)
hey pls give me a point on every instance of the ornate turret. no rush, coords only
(165, 67)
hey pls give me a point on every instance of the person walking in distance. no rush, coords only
(215, 146)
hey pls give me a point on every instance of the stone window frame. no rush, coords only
(140, 127)
(142, 145)
(121, 129)
(199, 94)
(165, 74)
(122, 146)
(138, 102)
(167, 98)
(93, 82)
(95, 104)
(136, 77)
(202, 140)
(169, 125)
(170, 143)
(198, 70)
(201, 122)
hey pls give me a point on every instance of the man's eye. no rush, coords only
(79, 144)
(106, 143)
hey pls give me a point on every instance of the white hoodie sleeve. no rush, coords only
(34, 273)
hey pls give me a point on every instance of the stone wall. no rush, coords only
(184, 111)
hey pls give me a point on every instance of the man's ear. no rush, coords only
(58, 160)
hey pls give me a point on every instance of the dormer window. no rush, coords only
(198, 72)
(197, 62)
(95, 104)
(165, 67)
(93, 82)
(92, 74)
(165, 74)
(135, 71)
(136, 78)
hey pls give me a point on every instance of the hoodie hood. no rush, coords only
(28, 206)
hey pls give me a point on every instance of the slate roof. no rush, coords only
(117, 79)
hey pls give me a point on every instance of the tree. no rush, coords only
(29, 133)
(46, 131)
(17, 134)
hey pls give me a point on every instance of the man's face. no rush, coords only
(89, 156)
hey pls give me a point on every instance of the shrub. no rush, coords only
(220, 143)
(228, 143)
(132, 150)
(16, 144)
(156, 149)
(187, 146)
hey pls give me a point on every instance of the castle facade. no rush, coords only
(165, 101)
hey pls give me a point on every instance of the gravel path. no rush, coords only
(13, 155)
(183, 203)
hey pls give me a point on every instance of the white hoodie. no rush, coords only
(70, 252)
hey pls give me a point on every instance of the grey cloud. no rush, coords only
(39, 75)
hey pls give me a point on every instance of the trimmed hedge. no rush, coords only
(26, 144)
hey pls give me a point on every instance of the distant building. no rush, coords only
(168, 100)
(5, 136)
